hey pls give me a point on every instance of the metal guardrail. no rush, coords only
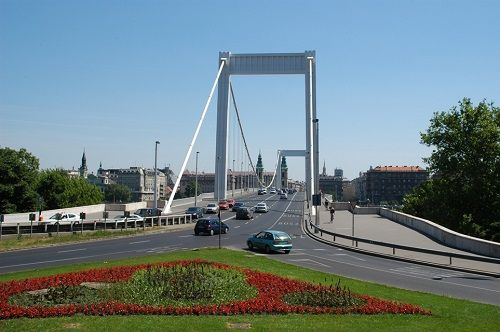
(94, 225)
(402, 247)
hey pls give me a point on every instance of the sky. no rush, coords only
(112, 77)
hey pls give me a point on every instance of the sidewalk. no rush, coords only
(377, 228)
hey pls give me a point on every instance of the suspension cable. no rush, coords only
(166, 209)
(245, 142)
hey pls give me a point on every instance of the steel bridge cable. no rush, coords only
(166, 209)
(245, 141)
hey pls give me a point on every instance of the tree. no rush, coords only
(117, 192)
(464, 193)
(59, 191)
(18, 174)
(190, 188)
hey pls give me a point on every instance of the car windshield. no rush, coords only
(211, 205)
(282, 236)
(192, 209)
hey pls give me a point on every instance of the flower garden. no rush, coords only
(184, 287)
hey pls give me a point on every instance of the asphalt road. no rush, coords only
(284, 215)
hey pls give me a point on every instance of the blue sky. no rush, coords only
(114, 76)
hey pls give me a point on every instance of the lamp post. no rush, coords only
(233, 180)
(196, 181)
(155, 198)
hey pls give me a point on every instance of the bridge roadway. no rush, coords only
(285, 215)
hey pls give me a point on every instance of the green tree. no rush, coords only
(190, 188)
(59, 190)
(117, 193)
(18, 175)
(464, 193)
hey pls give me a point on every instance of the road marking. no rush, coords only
(237, 226)
(72, 250)
(190, 235)
(140, 242)
(307, 260)
(406, 275)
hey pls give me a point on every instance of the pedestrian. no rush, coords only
(332, 213)
(326, 204)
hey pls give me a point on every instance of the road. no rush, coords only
(284, 215)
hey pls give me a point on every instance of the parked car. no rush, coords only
(237, 206)
(149, 212)
(261, 207)
(132, 217)
(230, 202)
(212, 208)
(63, 218)
(195, 212)
(223, 205)
(210, 226)
(244, 213)
(270, 240)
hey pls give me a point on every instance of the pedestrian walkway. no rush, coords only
(377, 228)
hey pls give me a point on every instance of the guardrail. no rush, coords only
(94, 225)
(449, 255)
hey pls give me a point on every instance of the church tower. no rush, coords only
(284, 173)
(83, 168)
(259, 168)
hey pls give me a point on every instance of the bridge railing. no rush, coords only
(38, 228)
(491, 267)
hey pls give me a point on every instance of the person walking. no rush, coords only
(326, 204)
(332, 213)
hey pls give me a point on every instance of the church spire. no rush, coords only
(324, 168)
(83, 168)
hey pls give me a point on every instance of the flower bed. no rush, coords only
(271, 298)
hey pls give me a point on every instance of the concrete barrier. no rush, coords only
(443, 234)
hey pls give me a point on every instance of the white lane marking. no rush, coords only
(190, 235)
(63, 251)
(307, 260)
(237, 226)
(281, 215)
(406, 275)
(139, 242)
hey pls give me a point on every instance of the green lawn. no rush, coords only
(447, 314)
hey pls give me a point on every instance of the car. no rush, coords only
(223, 205)
(237, 206)
(283, 196)
(195, 212)
(63, 218)
(149, 212)
(210, 226)
(212, 208)
(244, 213)
(272, 191)
(132, 217)
(290, 191)
(230, 202)
(270, 240)
(262, 192)
(261, 207)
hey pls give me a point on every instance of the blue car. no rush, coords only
(270, 240)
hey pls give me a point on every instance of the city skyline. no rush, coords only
(114, 77)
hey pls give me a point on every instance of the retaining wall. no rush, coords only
(444, 235)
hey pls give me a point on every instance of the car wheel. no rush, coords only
(211, 232)
(250, 245)
(268, 249)
(225, 230)
(196, 233)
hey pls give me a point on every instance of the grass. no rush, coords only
(447, 314)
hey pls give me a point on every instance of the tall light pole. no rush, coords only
(155, 198)
(233, 180)
(196, 180)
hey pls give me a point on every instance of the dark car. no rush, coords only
(195, 212)
(210, 226)
(149, 212)
(237, 206)
(244, 213)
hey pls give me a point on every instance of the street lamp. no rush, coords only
(196, 180)
(155, 198)
(233, 180)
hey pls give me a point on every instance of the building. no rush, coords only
(284, 173)
(389, 184)
(139, 180)
(333, 185)
(83, 168)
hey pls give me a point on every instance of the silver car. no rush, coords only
(261, 207)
